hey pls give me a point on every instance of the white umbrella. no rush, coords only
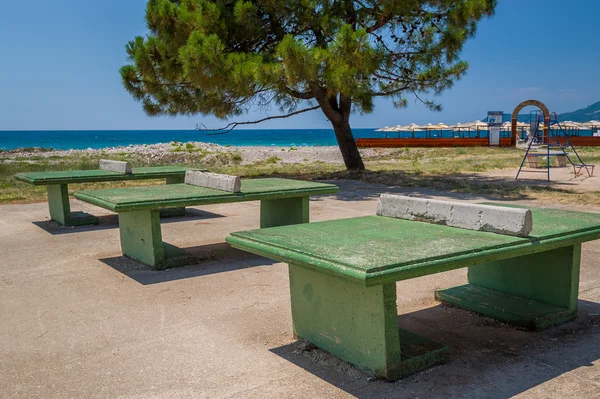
(590, 124)
(459, 126)
(409, 128)
(478, 125)
(570, 125)
(508, 125)
(382, 129)
(413, 127)
(431, 127)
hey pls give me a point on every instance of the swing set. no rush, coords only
(557, 142)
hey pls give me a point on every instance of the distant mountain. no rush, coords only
(589, 113)
(582, 115)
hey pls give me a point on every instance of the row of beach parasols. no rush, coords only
(479, 125)
(413, 127)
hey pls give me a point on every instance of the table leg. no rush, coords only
(284, 211)
(358, 324)
(534, 291)
(172, 212)
(60, 209)
(141, 239)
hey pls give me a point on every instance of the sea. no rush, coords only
(84, 139)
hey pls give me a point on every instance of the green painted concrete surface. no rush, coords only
(342, 275)
(283, 202)
(511, 309)
(97, 175)
(358, 324)
(58, 203)
(60, 209)
(284, 211)
(58, 195)
(533, 291)
(550, 277)
(381, 249)
(172, 212)
(155, 197)
(141, 237)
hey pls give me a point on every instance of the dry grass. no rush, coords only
(446, 169)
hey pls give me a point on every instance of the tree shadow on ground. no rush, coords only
(461, 186)
(106, 222)
(210, 259)
(488, 359)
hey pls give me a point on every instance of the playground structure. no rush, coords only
(554, 136)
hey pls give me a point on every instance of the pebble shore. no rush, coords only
(194, 151)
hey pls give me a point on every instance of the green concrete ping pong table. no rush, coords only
(343, 274)
(282, 202)
(58, 194)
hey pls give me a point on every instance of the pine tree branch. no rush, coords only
(301, 95)
(233, 125)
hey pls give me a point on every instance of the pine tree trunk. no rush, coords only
(345, 139)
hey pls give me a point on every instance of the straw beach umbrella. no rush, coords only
(570, 124)
(460, 127)
(594, 126)
(389, 129)
(412, 128)
(478, 126)
(521, 126)
(397, 129)
(571, 127)
(431, 127)
(590, 124)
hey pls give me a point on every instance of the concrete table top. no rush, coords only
(156, 197)
(97, 175)
(376, 249)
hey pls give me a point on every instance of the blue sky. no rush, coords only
(60, 61)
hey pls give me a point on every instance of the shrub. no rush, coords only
(272, 160)
(236, 158)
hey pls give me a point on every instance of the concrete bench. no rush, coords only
(58, 193)
(282, 202)
(343, 275)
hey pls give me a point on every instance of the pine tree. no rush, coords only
(226, 57)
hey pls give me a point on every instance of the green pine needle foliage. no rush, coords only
(226, 57)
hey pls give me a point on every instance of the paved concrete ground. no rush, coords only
(562, 178)
(78, 320)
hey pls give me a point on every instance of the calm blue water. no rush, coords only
(82, 139)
